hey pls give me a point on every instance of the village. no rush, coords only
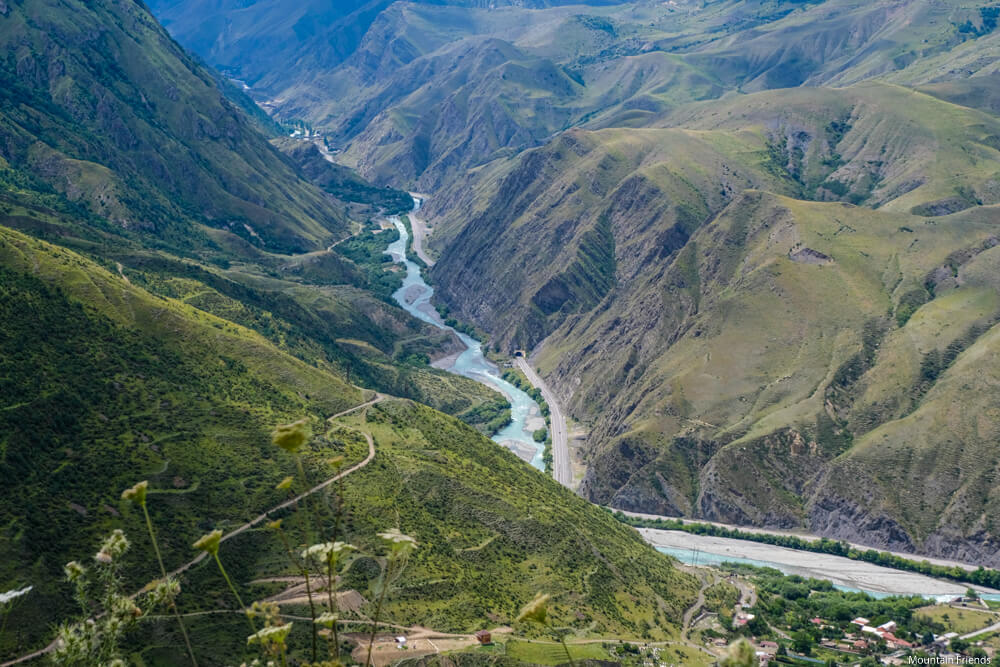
(963, 630)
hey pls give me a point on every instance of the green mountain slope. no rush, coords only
(127, 385)
(105, 383)
(99, 104)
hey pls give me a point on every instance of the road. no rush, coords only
(419, 228)
(993, 628)
(253, 522)
(561, 469)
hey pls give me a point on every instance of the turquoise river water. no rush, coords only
(414, 296)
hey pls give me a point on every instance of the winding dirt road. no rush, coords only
(561, 469)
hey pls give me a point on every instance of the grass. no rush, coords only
(957, 620)
(539, 653)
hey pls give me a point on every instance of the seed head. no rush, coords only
(73, 571)
(291, 437)
(115, 545)
(209, 543)
(137, 493)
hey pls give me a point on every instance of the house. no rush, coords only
(484, 637)
(860, 644)
(861, 621)
(818, 621)
(400, 641)
(895, 642)
(889, 626)
(770, 647)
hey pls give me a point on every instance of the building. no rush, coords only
(861, 622)
(484, 637)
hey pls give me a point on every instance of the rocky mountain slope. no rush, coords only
(753, 318)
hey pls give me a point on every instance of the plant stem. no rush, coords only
(304, 570)
(562, 640)
(229, 581)
(378, 612)
(333, 603)
(163, 571)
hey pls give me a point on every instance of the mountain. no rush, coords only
(770, 223)
(753, 279)
(172, 287)
(106, 110)
(420, 93)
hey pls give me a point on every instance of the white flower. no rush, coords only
(12, 595)
(271, 635)
(325, 552)
(327, 619)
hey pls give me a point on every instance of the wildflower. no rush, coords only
(326, 619)
(137, 493)
(209, 543)
(12, 595)
(73, 571)
(164, 591)
(269, 611)
(115, 545)
(537, 610)
(325, 552)
(291, 437)
(272, 635)
(395, 537)
(285, 483)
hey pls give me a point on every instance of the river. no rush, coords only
(415, 296)
(844, 573)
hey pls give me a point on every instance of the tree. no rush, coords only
(802, 642)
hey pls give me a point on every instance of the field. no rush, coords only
(957, 620)
(545, 653)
